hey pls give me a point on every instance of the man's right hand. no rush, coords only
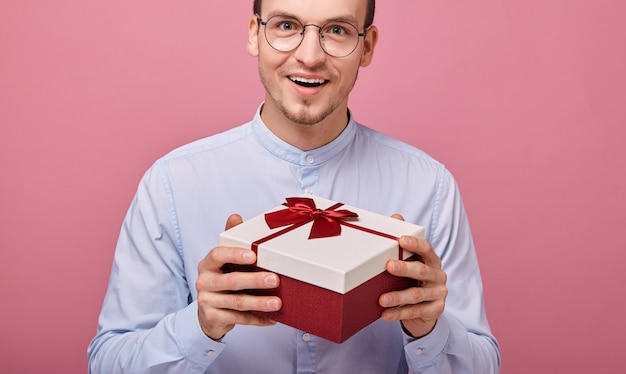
(219, 309)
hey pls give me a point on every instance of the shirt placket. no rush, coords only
(306, 353)
(310, 173)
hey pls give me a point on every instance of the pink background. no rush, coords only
(523, 100)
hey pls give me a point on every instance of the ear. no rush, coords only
(253, 36)
(369, 42)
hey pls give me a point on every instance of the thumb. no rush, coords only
(397, 216)
(233, 220)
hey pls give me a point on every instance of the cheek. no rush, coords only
(270, 60)
(270, 70)
(349, 71)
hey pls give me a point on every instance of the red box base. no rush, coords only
(324, 313)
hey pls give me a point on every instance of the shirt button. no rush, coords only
(310, 159)
(419, 351)
(308, 191)
(210, 353)
(306, 336)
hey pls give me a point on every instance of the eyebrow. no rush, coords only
(347, 18)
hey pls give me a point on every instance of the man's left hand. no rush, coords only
(418, 308)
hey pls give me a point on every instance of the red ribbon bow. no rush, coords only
(301, 210)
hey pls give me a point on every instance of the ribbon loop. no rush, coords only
(302, 210)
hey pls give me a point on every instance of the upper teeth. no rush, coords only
(305, 80)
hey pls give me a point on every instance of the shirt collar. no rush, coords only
(289, 153)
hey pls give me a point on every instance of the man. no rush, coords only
(169, 307)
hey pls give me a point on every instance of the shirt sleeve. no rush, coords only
(461, 341)
(148, 322)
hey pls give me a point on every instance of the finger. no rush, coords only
(426, 312)
(423, 272)
(242, 302)
(422, 248)
(237, 281)
(233, 220)
(219, 256)
(397, 216)
(411, 296)
(230, 318)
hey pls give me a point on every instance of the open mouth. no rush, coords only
(308, 82)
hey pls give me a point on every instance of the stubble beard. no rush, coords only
(306, 116)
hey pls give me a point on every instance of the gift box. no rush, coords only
(330, 258)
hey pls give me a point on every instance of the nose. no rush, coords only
(310, 51)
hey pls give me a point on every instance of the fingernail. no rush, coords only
(248, 256)
(270, 280)
(389, 315)
(387, 300)
(404, 241)
(395, 266)
(272, 304)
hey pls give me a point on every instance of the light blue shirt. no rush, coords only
(149, 319)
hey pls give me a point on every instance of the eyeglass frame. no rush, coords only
(319, 34)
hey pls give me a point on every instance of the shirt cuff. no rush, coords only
(192, 342)
(422, 352)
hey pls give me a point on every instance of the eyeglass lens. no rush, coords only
(337, 38)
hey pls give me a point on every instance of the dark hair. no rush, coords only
(369, 16)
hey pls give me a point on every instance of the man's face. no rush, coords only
(306, 85)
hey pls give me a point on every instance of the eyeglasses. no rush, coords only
(337, 38)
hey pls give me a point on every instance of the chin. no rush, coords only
(307, 115)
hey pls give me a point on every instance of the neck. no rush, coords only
(305, 136)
